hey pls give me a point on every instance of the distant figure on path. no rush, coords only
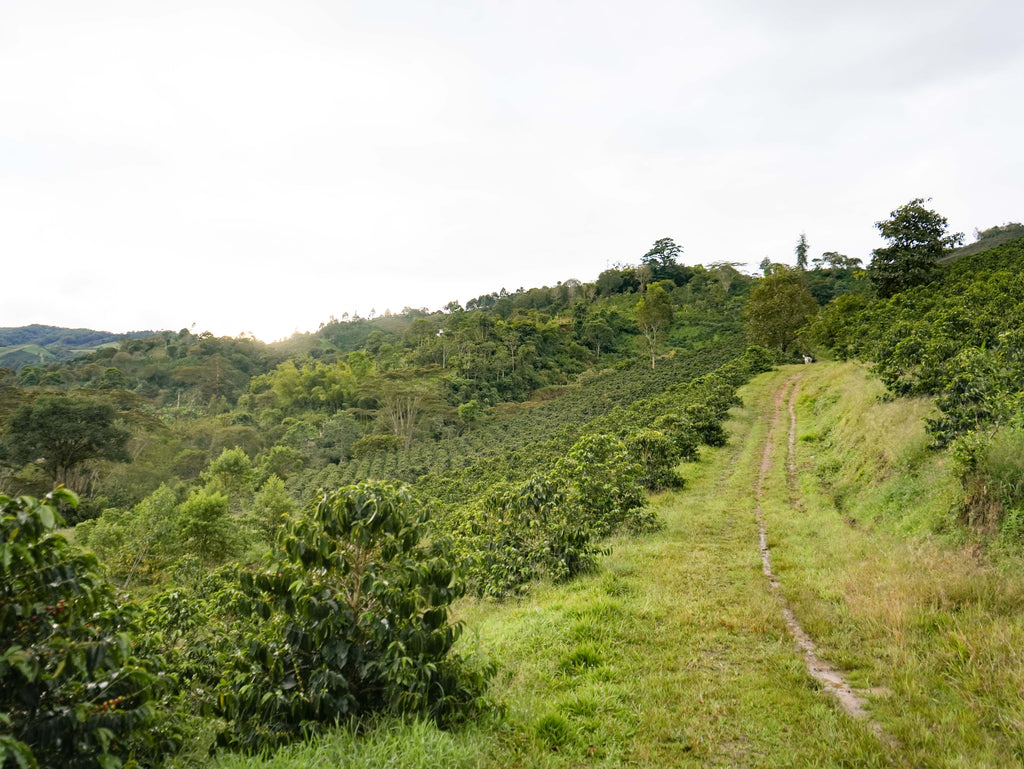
(808, 359)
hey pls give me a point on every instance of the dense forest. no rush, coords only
(267, 539)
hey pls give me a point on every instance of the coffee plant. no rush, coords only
(74, 691)
(657, 455)
(353, 619)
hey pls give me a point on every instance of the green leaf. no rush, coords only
(107, 761)
(10, 747)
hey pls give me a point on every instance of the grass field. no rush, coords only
(676, 653)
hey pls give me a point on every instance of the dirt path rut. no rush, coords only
(831, 678)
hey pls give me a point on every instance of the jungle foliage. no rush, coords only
(957, 339)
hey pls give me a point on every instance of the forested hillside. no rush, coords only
(529, 425)
(271, 537)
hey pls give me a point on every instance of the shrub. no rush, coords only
(73, 692)
(682, 434)
(371, 444)
(527, 532)
(354, 620)
(657, 455)
(706, 424)
(602, 482)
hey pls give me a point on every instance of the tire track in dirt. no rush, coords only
(830, 678)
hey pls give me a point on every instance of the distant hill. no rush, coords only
(38, 345)
(987, 239)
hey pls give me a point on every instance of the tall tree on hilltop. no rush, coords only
(661, 259)
(801, 252)
(917, 238)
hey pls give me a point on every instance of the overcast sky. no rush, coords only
(260, 166)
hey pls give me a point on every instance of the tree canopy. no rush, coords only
(653, 314)
(917, 237)
(63, 431)
(778, 306)
(801, 252)
(660, 262)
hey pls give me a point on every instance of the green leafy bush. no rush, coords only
(680, 431)
(370, 444)
(353, 619)
(527, 532)
(657, 455)
(603, 484)
(73, 690)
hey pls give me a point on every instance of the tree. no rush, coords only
(653, 314)
(662, 254)
(271, 507)
(597, 333)
(777, 307)
(609, 282)
(61, 432)
(232, 474)
(470, 412)
(660, 260)
(141, 542)
(917, 238)
(801, 252)
(403, 404)
(833, 260)
(205, 528)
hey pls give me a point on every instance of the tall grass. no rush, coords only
(871, 454)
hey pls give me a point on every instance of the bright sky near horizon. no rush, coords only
(260, 166)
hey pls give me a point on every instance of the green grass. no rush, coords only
(688, 660)
(922, 617)
(24, 354)
(675, 654)
(410, 745)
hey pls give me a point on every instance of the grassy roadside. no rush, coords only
(676, 654)
(691, 664)
(924, 621)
